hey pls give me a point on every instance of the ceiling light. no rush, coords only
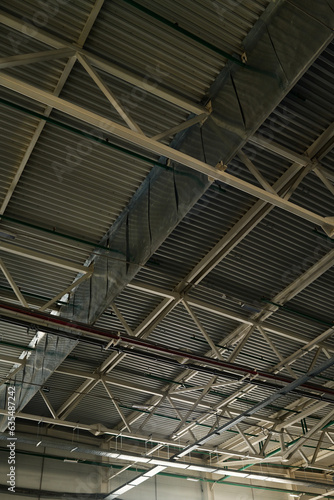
(200, 468)
(167, 463)
(122, 490)
(70, 460)
(261, 478)
(178, 466)
(154, 471)
(39, 442)
(186, 451)
(160, 462)
(138, 480)
(231, 473)
(132, 458)
(192, 479)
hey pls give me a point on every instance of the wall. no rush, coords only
(80, 478)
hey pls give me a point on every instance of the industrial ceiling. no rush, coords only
(167, 238)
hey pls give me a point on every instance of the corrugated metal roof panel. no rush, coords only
(60, 189)
(66, 22)
(142, 42)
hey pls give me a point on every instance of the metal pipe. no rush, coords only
(93, 335)
(259, 406)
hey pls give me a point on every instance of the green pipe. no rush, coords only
(165, 474)
(274, 452)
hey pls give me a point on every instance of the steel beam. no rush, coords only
(172, 395)
(253, 170)
(105, 90)
(47, 402)
(68, 68)
(182, 126)
(98, 430)
(64, 292)
(282, 151)
(98, 62)
(153, 146)
(34, 57)
(61, 82)
(12, 360)
(259, 406)
(44, 258)
(12, 283)
(301, 442)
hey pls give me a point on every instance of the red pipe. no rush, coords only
(152, 346)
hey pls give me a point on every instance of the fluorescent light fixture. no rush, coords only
(70, 460)
(132, 458)
(73, 449)
(200, 468)
(186, 451)
(261, 478)
(230, 473)
(39, 442)
(192, 479)
(283, 480)
(113, 455)
(138, 480)
(154, 471)
(160, 462)
(178, 466)
(294, 495)
(124, 489)
(167, 463)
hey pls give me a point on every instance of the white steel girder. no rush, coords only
(98, 429)
(61, 82)
(138, 139)
(46, 55)
(98, 62)
(45, 258)
(289, 291)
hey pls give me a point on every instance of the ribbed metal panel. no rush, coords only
(61, 387)
(141, 42)
(65, 22)
(152, 368)
(36, 278)
(58, 176)
(153, 115)
(135, 306)
(98, 407)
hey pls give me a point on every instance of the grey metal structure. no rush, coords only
(166, 233)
